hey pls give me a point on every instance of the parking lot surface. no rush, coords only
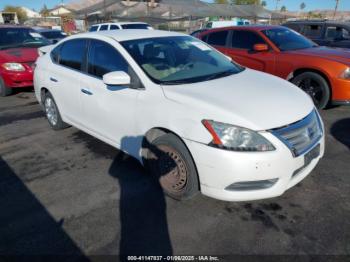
(66, 192)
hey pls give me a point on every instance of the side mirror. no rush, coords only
(117, 78)
(261, 48)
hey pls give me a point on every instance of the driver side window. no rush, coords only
(103, 59)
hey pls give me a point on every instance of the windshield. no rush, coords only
(136, 26)
(20, 37)
(53, 34)
(181, 59)
(286, 39)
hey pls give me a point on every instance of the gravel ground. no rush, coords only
(68, 193)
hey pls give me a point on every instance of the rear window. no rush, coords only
(217, 38)
(135, 26)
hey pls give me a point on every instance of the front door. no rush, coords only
(109, 111)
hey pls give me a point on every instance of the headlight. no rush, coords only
(235, 138)
(346, 74)
(14, 67)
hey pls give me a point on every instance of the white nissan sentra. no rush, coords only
(195, 119)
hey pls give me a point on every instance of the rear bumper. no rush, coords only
(341, 102)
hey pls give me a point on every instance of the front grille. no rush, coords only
(301, 136)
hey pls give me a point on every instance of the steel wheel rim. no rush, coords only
(172, 169)
(51, 111)
(313, 89)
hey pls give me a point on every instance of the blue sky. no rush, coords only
(290, 4)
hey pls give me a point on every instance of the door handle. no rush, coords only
(53, 79)
(86, 92)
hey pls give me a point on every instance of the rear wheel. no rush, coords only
(4, 91)
(170, 162)
(52, 113)
(315, 86)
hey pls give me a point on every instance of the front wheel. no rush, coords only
(315, 86)
(170, 163)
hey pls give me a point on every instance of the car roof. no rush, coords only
(43, 30)
(318, 22)
(120, 23)
(131, 34)
(14, 26)
(250, 27)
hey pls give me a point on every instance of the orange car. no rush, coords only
(324, 73)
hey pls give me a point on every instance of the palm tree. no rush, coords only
(336, 8)
(284, 9)
(302, 7)
(277, 1)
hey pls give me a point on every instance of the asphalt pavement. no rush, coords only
(68, 193)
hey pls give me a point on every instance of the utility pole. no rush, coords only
(336, 8)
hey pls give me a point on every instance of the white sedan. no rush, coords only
(195, 119)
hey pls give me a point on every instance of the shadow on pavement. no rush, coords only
(26, 227)
(144, 227)
(341, 131)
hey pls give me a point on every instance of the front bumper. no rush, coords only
(18, 79)
(340, 91)
(218, 169)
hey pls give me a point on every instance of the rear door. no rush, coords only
(64, 77)
(241, 49)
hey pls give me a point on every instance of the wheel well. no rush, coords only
(156, 132)
(304, 70)
(43, 92)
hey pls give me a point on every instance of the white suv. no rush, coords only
(194, 118)
(119, 26)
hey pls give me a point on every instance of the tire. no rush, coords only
(52, 113)
(315, 86)
(4, 91)
(171, 164)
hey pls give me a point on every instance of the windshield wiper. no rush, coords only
(220, 74)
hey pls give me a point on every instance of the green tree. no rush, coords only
(284, 9)
(21, 14)
(302, 6)
(44, 11)
(263, 3)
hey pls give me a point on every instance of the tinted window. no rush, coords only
(313, 30)
(93, 28)
(217, 38)
(245, 40)
(135, 26)
(113, 27)
(295, 27)
(337, 33)
(20, 37)
(103, 59)
(55, 54)
(104, 27)
(72, 53)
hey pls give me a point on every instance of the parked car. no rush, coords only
(323, 32)
(194, 118)
(198, 32)
(323, 73)
(18, 52)
(51, 34)
(119, 26)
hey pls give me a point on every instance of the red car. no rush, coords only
(18, 53)
(324, 73)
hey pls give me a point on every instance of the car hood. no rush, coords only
(341, 55)
(19, 55)
(250, 99)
